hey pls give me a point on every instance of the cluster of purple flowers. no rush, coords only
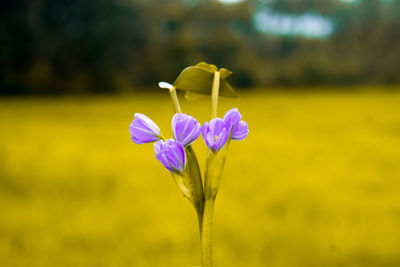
(186, 130)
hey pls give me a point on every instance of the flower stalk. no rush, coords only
(214, 94)
(174, 98)
(212, 174)
(172, 92)
(206, 235)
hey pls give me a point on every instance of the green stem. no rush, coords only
(214, 95)
(213, 173)
(200, 220)
(174, 99)
(206, 236)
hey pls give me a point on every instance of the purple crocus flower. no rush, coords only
(239, 128)
(215, 133)
(144, 130)
(171, 154)
(186, 129)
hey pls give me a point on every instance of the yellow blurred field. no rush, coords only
(316, 183)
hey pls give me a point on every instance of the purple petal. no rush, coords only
(140, 135)
(173, 124)
(143, 130)
(147, 122)
(171, 154)
(208, 135)
(193, 135)
(240, 131)
(216, 126)
(158, 149)
(158, 146)
(210, 139)
(204, 132)
(173, 160)
(177, 125)
(182, 156)
(232, 117)
(186, 129)
(215, 134)
(205, 129)
(221, 140)
(183, 128)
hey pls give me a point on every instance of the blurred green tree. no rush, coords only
(60, 46)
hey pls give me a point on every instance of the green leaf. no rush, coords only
(194, 79)
(194, 174)
(192, 96)
(198, 79)
(224, 73)
(208, 67)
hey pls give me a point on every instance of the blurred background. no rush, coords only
(55, 46)
(316, 183)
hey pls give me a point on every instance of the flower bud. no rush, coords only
(144, 130)
(215, 134)
(171, 154)
(186, 129)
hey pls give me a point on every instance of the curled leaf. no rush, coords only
(198, 80)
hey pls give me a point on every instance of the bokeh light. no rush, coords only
(308, 24)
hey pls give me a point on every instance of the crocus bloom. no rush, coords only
(144, 130)
(215, 133)
(186, 129)
(171, 154)
(233, 121)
